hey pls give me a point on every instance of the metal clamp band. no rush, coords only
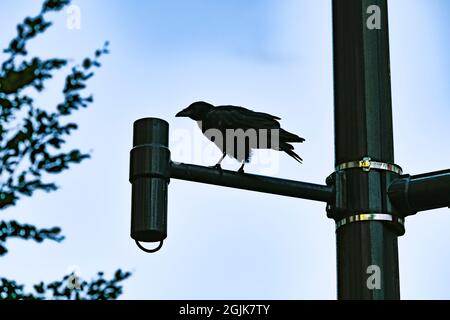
(367, 164)
(369, 217)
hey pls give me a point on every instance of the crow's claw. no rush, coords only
(218, 167)
(241, 171)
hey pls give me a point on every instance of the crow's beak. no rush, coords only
(183, 113)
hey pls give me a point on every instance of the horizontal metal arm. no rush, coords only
(411, 194)
(251, 182)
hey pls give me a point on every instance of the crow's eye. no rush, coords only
(213, 138)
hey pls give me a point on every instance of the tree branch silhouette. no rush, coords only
(32, 141)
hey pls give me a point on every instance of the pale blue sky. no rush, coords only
(274, 56)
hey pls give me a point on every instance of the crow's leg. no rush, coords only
(218, 166)
(241, 169)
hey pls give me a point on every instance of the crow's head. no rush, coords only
(196, 111)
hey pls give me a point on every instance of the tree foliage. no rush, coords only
(32, 141)
(69, 288)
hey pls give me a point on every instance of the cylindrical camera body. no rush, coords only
(149, 176)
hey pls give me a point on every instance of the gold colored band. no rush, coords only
(368, 164)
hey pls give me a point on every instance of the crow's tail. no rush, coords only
(289, 149)
(286, 136)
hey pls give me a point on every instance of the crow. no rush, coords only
(249, 130)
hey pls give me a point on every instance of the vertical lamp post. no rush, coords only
(367, 245)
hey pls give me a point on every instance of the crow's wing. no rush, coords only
(231, 117)
(248, 111)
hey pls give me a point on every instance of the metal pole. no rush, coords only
(366, 251)
(411, 194)
(251, 182)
